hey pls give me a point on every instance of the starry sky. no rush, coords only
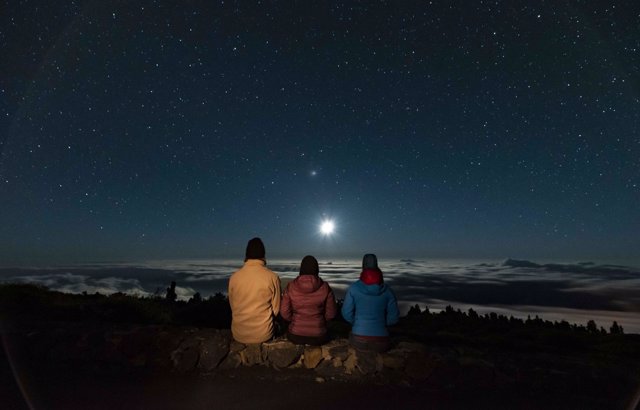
(180, 129)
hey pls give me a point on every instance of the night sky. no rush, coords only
(159, 129)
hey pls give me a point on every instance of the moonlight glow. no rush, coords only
(327, 227)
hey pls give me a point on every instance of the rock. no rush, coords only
(185, 360)
(252, 355)
(190, 342)
(336, 348)
(282, 353)
(393, 361)
(312, 356)
(367, 362)
(232, 361)
(350, 362)
(326, 368)
(213, 350)
(185, 357)
(165, 343)
(236, 346)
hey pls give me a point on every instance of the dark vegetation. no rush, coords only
(27, 300)
(22, 301)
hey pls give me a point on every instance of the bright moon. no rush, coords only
(327, 227)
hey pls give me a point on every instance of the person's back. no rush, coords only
(308, 302)
(370, 306)
(254, 296)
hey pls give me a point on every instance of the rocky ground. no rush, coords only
(74, 365)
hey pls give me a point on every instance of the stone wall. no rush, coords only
(108, 347)
(206, 350)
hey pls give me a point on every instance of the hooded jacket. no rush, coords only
(370, 308)
(308, 303)
(254, 296)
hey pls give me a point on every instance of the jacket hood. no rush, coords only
(306, 283)
(371, 276)
(374, 290)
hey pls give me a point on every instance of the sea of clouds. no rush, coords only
(574, 292)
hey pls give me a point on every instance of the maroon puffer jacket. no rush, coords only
(308, 303)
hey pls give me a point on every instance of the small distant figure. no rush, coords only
(171, 292)
(254, 296)
(370, 306)
(308, 303)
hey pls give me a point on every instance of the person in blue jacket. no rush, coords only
(370, 306)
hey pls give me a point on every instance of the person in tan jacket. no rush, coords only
(254, 296)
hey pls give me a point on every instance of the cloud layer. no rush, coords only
(576, 292)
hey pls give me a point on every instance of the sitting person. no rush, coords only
(254, 296)
(308, 303)
(370, 306)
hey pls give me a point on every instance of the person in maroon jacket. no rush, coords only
(308, 303)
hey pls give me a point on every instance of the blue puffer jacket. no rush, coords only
(370, 309)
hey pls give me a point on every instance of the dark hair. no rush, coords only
(255, 249)
(309, 266)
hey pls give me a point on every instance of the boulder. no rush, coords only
(252, 354)
(232, 361)
(282, 353)
(367, 362)
(213, 349)
(328, 368)
(312, 356)
(336, 348)
(185, 360)
(393, 361)
(236, 346)
(165, 343)
(185, 357)
(350, 362)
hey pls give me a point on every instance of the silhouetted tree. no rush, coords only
(414, 310)
(196, 298)
(171, 292)
(616, 329)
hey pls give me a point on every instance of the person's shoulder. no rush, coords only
(238, 271)
(272, 274)
(355, 286)
(266, 269)
(388, 291)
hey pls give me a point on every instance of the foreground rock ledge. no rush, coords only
(206, 350)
